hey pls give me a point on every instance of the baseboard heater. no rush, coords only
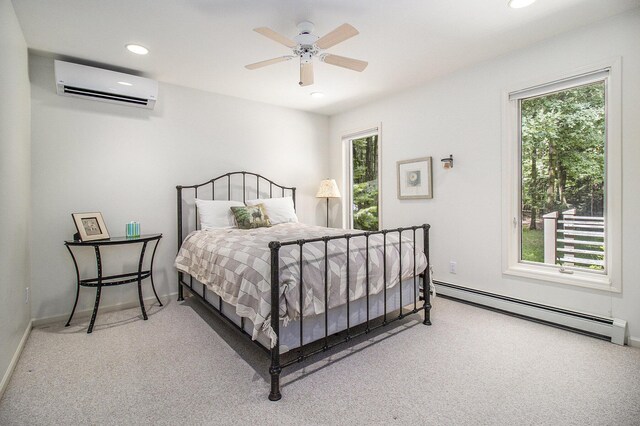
(612, 329)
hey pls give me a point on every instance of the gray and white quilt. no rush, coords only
(235, 264)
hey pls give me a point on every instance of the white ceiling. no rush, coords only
(205, 44)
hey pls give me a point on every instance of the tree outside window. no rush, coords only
(364, 154)
(563, 145)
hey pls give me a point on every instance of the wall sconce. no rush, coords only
(447, 163)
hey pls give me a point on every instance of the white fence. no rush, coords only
(582, 240)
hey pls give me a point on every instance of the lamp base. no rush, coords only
(327, 212)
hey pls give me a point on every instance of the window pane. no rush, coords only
(563, 139)
(365, 183)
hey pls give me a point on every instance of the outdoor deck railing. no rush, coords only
(574, 240)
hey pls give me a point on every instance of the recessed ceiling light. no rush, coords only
(517, 4)
(317, 95)
(124, 83)
(137, 49)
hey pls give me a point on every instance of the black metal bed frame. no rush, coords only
(351, 332)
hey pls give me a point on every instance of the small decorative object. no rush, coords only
(133, 230)
(447, 163)
(328, 189)
(249, 217)
(414, 179)
(90, 227)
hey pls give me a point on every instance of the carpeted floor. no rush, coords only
(186, 367)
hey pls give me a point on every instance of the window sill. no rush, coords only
(552, 274)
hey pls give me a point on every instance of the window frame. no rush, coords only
(347, 150)
(512, 265)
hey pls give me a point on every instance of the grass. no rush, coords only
(533, 248)
(533, 245)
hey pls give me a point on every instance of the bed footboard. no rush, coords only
(276, 367)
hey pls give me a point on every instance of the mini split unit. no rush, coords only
(98, 84)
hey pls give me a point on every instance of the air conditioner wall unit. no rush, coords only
(98, 84)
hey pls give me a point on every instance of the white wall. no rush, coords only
(461, 114)
(15, 163)
(125, 162)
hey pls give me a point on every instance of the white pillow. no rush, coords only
(216, 214)
(279, 210)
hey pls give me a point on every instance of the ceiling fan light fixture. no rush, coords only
(305, 27)
(137, 49)
(518, 4)
(306, 46)
(305, 38)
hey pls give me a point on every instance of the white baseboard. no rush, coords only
(14, 361)
(39, 322)
(634, 341)
(615, 329)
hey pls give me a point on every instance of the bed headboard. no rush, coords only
(238, 186)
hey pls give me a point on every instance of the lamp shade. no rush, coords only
(328, 189)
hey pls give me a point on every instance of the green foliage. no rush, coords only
(365, 183)
(533, 245)
(365, 159)
(563, 151)
(365, 200)
(563, 159)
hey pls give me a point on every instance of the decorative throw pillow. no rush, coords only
(249, 217)
(280, 210)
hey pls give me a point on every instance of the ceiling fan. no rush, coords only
(307, 45)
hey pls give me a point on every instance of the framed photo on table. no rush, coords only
(90, 226)
(414, 179)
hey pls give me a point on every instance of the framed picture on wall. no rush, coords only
(90, 226)
(414, 179)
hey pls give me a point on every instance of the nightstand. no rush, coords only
(112, 280)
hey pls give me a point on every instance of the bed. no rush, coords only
(297, 290)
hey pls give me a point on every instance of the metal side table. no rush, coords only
(113, 280)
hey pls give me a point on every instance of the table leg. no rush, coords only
(144, 313)
(95, 308)
(74, 306)
(75, 264)
(98, 289)
(153, 256)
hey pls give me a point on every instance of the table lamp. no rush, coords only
(328, 189)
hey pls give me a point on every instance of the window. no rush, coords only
(562, 162)
(563, 180)
(364, 181)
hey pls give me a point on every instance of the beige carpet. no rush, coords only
(185, 366)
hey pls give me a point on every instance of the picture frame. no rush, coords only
(415, 180)
(90, 226)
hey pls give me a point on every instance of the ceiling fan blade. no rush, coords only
(268, 62)
(277, 37)
(340, 34)
(341, 61)
(306, 74)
